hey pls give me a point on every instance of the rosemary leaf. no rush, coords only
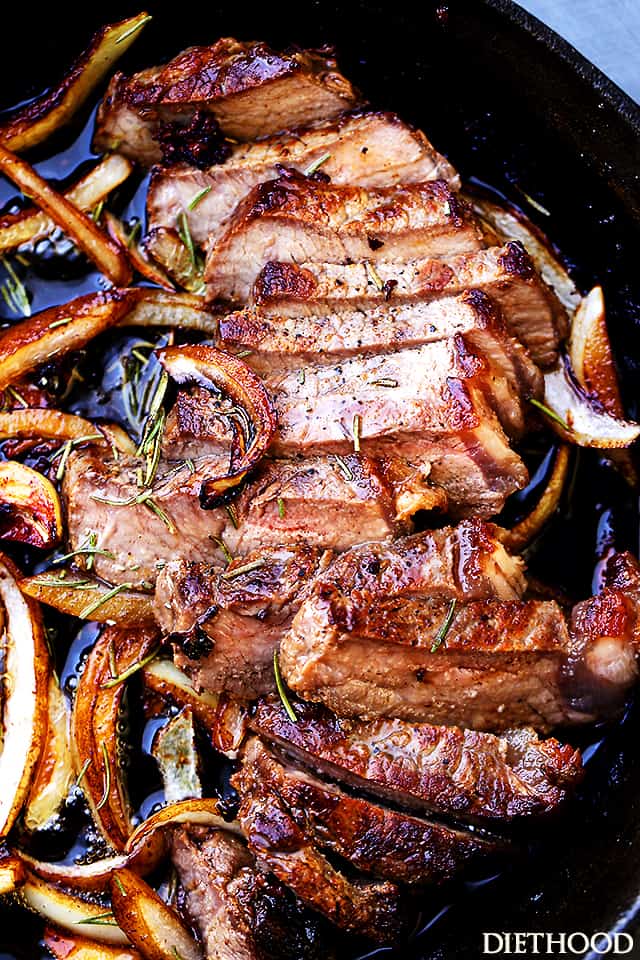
(281, 508)
(286, 703)
(134, 29)
(102, 919)
(119, 884)
(444, 629)
(83, 770)
(86, 612)
(120, 678)
(385, 382)
(343, 467)
(107, 777)
(357, 428)
(244, 568)
(200, 195)
(548, 412)
(311, 169)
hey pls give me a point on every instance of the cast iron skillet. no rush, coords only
(514, 106)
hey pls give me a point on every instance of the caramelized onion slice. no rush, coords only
(30, 511)
(591, 355)
(202, 812)
(57, 425)
(24, 700)
(145, 267)
(72, 947)
(88, 598)
(98, 247)
(160, 308)
(55, 773)
(56, 331)
(36, 121)
(225, 720)
(32, 225)
(579, 418)
(69, 912)
(94, 726)
(166, 248)
(207, 367)
(151, 926)
(519, 536)
(12, 873)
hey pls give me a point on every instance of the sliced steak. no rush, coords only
(369, 150)
(372, 909)
(241, 912)
(296, 219)
(227, 624)
(286, 502)
(374, 839)
(532, 312)
(464, 774)
(251, 90)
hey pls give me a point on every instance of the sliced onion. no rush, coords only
(591, 355)
(147, 269)
(55, 773)
(72, 947)
(151, 926)
(57, 425)
(36, 121)
(77, 225)
(12, 873)
(166, 248)
(210, 368)
(30, 511)
(518, 537)
(32, 225)
(579, 418)
(160, 308)
(69, 912)
(57, 331)
(86, 597)
(204, 813)
(174, 750)
(94, 727)
(225, 720)
(24, 708)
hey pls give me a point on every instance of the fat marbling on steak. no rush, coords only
(250, 90)
(365, 149)
(297, 219)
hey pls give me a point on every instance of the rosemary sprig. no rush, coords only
(70, 584)
(357, 429)
(162, 515)
(446, 624)
(244, 568)
(548, 412)
(311, 169)
(117, 678)
(281, 508)
(89, 551)
(286, 703)
(134, 29)
(17, 396)
(14, 291)
(233, 516)
(86, 612)
(343, 467)
(196, 198)
(107, 777)
(223, 547)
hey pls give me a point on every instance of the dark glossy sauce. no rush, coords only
(599, 512)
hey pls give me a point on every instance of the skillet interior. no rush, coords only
(514, 106)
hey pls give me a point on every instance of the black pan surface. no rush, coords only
(515, 107)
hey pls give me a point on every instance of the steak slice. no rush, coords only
(367, 149)
(240, 912)
(463, 774)
(250, 89)
(376, 840)
(286, 502)
(532, 312)
(297, 219)
(372, 909)
(226, 625)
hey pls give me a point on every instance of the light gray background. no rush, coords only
(607, 32)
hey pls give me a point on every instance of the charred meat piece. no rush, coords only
(372, 909)
(250, 89)
(368, 150)
(286, 502)
(237, 614)
(297, 219)
(376, 840)
(531, 310)
(462, 774)
(241, 912)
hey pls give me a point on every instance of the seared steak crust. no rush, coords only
(251, 90)
(385, 843)
(532, 312)
(366, 149)
(459, 773)
(240, 912)
(300, 219)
